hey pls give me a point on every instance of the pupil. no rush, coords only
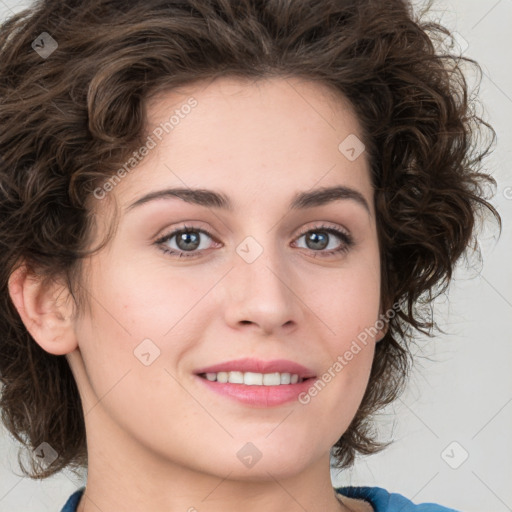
(315, 240)
(188, 237)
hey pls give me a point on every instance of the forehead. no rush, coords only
(253, 140)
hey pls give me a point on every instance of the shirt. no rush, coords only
(383, 501)
(380, 499)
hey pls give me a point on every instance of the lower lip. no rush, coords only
(259, 396)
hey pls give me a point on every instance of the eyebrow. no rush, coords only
(212, 199)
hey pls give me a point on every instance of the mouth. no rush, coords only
(254, 378)
(257, 383)
(256, 372)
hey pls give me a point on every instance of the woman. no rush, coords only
(220, 220)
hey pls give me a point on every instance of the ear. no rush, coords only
(384, 321)
(46, 308)
(381, 333)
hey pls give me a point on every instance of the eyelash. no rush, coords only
(347, 241)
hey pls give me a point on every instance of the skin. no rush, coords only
(158, 439)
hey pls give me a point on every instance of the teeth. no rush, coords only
(271, 379)
(254, 379)
(285, 378)
(236, 377)
(222, 377)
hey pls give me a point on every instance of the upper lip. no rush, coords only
(259, 366)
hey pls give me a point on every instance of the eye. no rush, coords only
(320, 238)
(190, 242)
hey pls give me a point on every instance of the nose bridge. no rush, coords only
(261, 266)
(259, 286)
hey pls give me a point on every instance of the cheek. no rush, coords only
(139, 314)
(347, 302)
(139, 300)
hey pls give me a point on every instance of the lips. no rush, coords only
(259, 366)
(260, 387)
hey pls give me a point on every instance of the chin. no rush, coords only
(264, 458)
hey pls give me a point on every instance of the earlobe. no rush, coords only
(382, 324)
(381, 335)
(382, 331)
(46, 309)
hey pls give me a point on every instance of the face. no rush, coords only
(188, 284)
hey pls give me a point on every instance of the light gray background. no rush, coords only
(461, 388)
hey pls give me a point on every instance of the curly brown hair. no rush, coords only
(70, 119)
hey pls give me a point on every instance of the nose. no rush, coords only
(263, 294)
